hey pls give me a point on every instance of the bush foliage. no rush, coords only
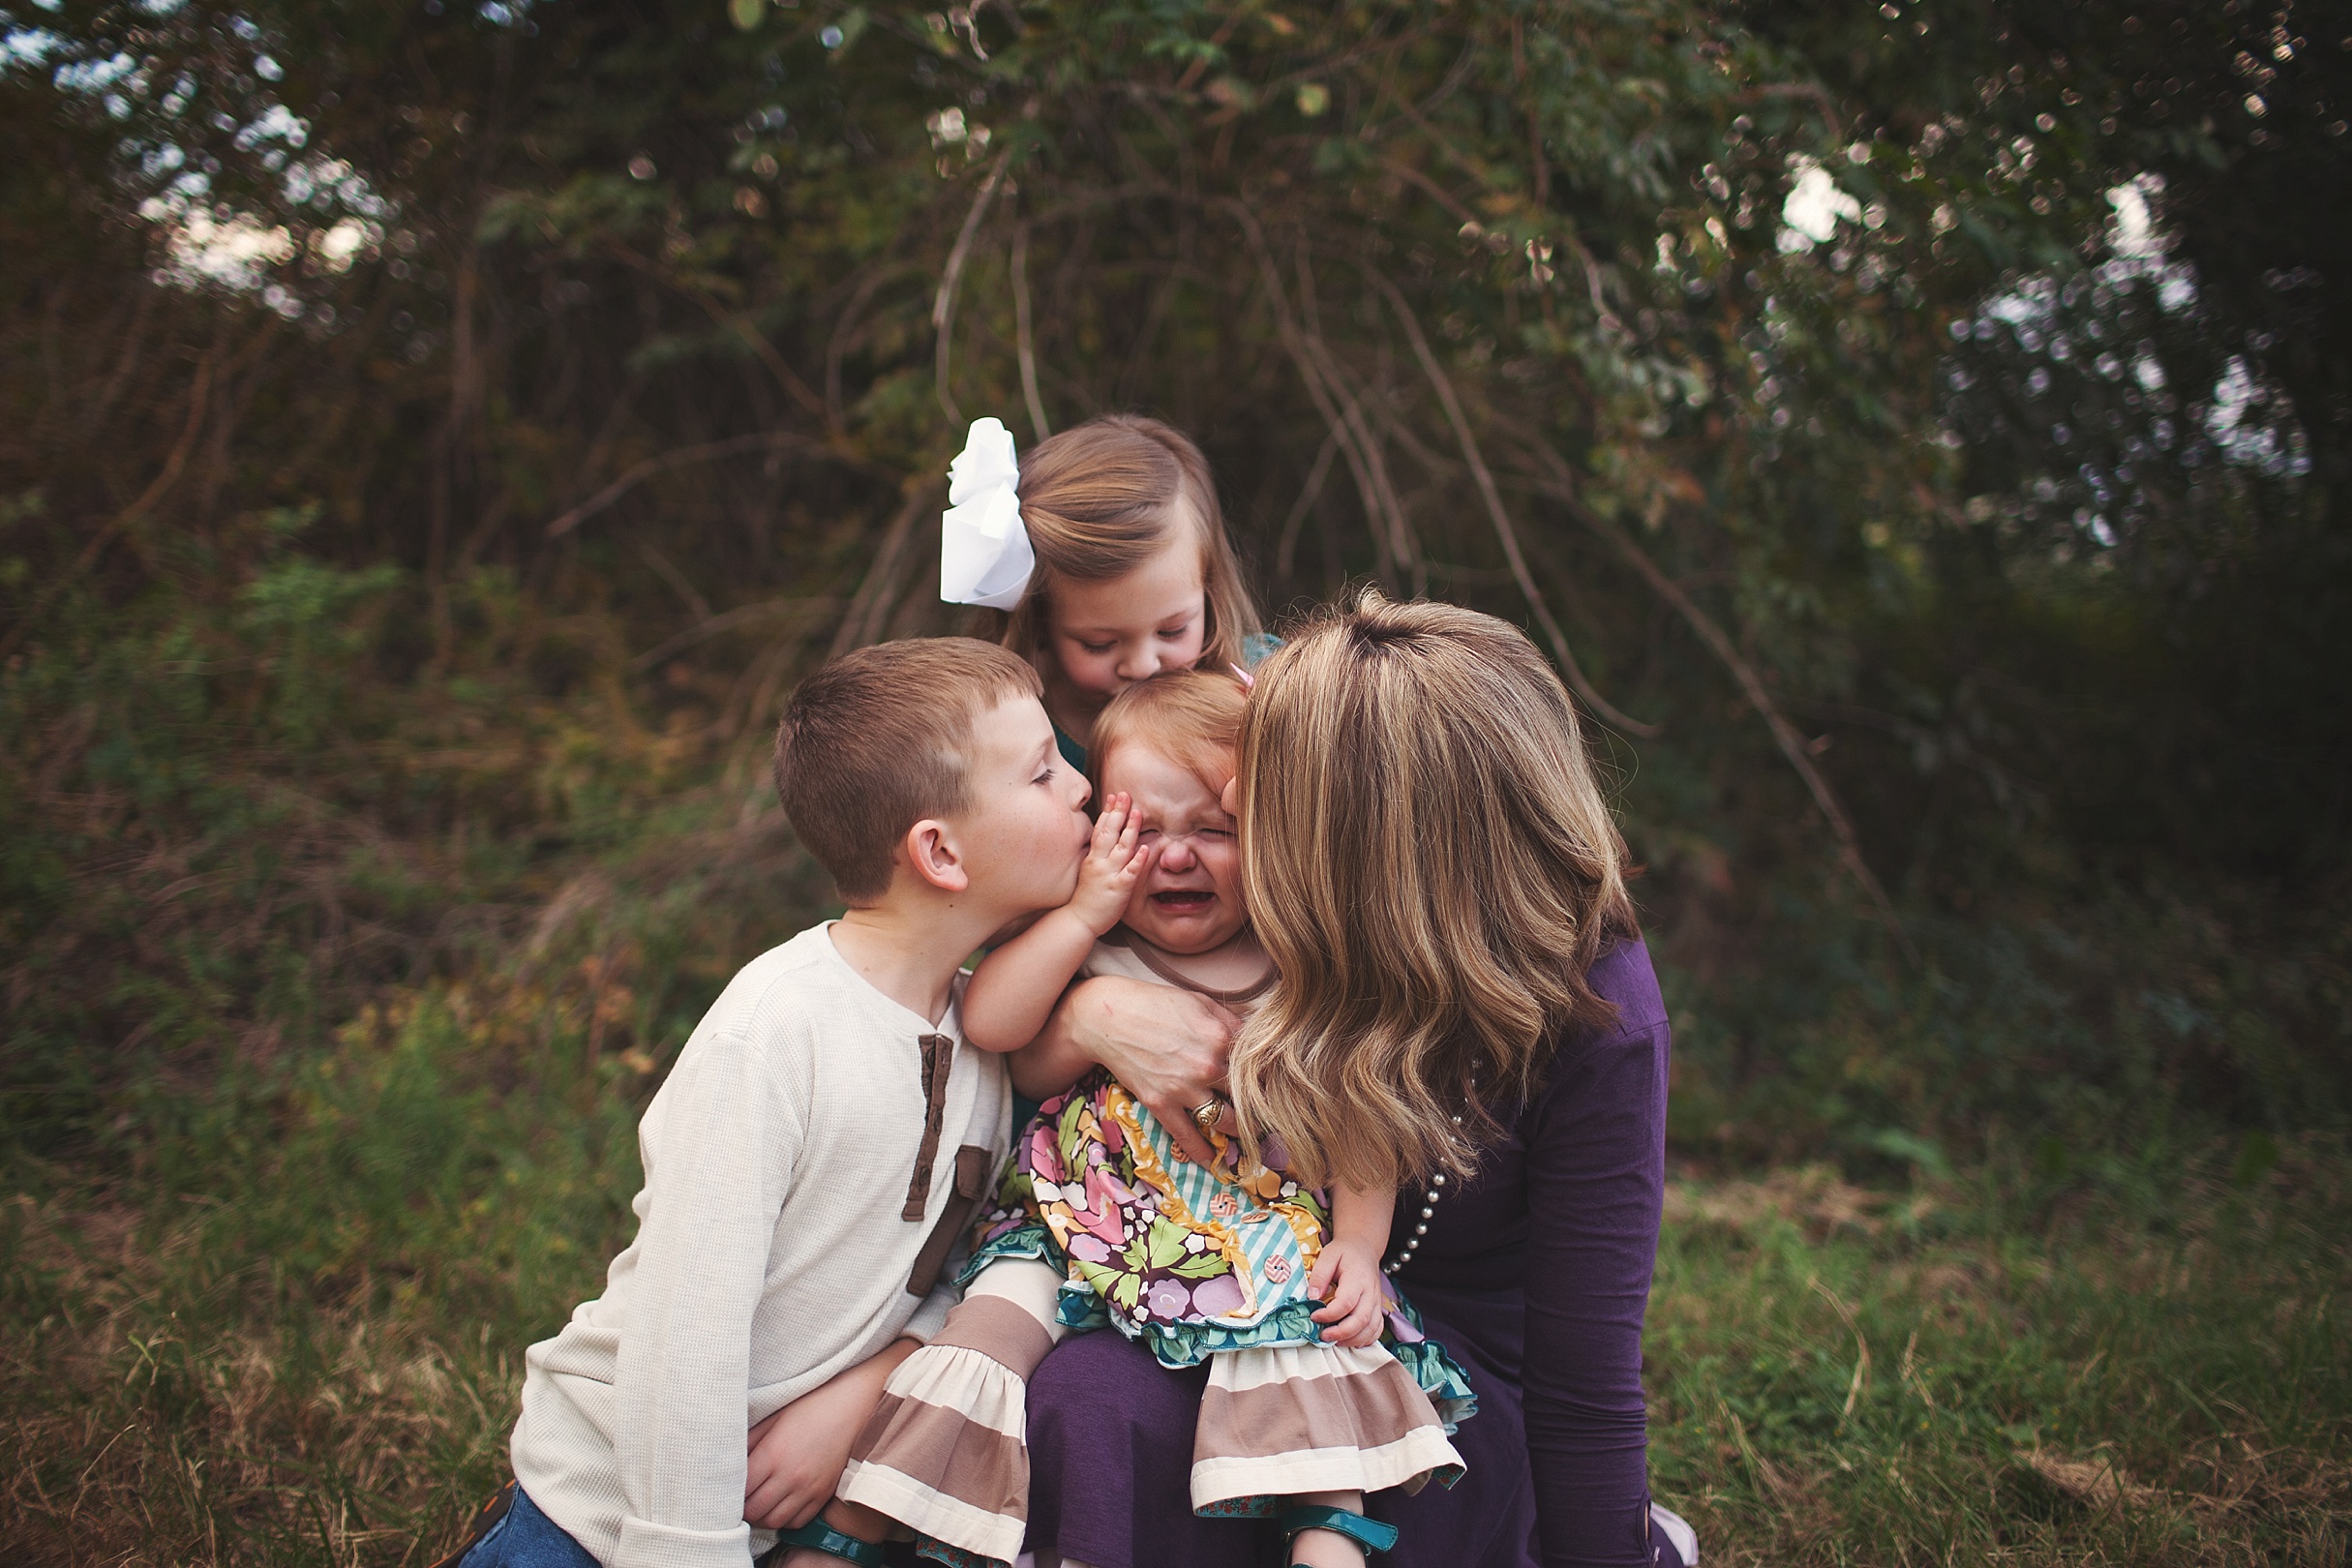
(438, 433)
(435, 434)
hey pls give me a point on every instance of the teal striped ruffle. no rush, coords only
(1188, 1344)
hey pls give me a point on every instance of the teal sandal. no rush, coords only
(1369, 1533)
(826, 1539)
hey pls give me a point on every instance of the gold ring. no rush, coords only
(1208, 1113)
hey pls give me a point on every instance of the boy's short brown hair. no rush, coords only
(1192, 718)
(876, 740)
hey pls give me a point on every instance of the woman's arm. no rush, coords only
(1596, 1171)
(1016, 986)
(1164, 1045)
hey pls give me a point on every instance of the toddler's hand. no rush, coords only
(1348, 1278)
(1113, 866)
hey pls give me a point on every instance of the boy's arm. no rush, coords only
(717, 1164)
(796, 1454)
(1016, 988)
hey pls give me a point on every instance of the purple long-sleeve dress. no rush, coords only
(1534, 1274)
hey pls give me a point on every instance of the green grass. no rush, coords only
(302, 1342)
(1986, 1373)
(299, 1342)
(322, 1061)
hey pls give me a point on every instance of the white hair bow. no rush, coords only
(985, 554)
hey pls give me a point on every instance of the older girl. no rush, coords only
(1464, 1010)
(1106, 548)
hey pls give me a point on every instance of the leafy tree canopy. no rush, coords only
(1920, 433)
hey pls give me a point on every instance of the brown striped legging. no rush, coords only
(947, 1454)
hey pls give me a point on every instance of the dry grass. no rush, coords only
(1840, 1376)
(137, 1432)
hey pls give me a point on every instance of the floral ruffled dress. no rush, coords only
(1211, 1263)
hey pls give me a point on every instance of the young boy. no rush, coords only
(820, 1145)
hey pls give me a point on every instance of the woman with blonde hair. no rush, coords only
(1463, 1011)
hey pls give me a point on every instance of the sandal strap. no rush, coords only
(1369, 1533)
(825, 1538)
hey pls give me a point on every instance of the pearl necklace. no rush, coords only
(1429, 1207)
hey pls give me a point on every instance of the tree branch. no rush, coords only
(1390, 507)
(773, 440)
(1751, 683)
(764, 352)
(836, 346)
(869, 610)
(199, 398)
(1026, 350)
(727, 620)
(1286, 550)
(1428, 187)
(1293, 343)
(1504, 531)
(943, 308)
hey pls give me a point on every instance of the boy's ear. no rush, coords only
(932, 854)
(1229, 798)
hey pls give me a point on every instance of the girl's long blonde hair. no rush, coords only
(1098, 501)
(1429, 862)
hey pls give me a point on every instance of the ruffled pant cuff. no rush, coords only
(1276, 1423)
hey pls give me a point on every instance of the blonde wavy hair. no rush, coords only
(1098, 501)
(1429, 861)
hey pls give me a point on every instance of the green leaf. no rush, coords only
(1911, 1148)
(1166, 1239)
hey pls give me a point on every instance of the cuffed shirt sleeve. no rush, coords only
(716, 1175)
(644, 1544)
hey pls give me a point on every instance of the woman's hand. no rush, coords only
(1166, 1045)
(1348, 1278)
(797, 1454)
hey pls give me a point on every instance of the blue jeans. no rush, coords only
(527, 1538)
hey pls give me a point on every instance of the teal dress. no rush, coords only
(1073, 753)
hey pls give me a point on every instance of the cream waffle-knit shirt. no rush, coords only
(772, 1252)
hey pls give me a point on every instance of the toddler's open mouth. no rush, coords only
(1184, 900)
